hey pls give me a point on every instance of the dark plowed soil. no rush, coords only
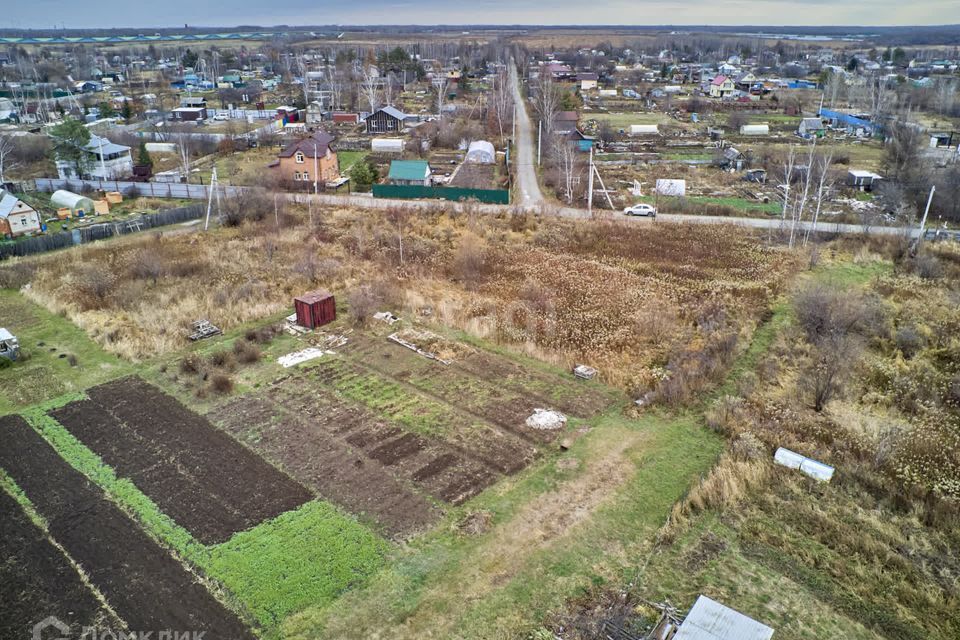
(315, 455)
(394, 451)
(201, 477)
(144, 584)
(37, 580)
(172, 487)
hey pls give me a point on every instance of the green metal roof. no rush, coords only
(408, 170)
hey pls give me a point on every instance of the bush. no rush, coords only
(246, 352)
(192, 364)
(222, 360)
(909, 341)
(221, 384)
(362, 303)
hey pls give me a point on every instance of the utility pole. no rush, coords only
(926, 212)
(590, 185)
(316, 173)
(213, 187)
(539, 134)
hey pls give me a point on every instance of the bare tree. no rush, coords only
(835, 84)
(184, 150)
(823, 188)
(7, 160)
(501, 99)
(808, 176)
(547, 102)
(335, 88)
(369, 88)
(788, 166)
(440, 84)
(566, 159)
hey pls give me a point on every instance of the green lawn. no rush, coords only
(349, 158)
(56, 356)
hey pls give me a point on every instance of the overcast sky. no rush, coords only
(173, 13)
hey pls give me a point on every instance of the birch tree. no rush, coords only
(370, 88)
(441, 83)
(501, 99)
(547, 102)
(788, 166)
(568, 167)
(798, 213)
(823, 188)
(335, 88)
(7, 162)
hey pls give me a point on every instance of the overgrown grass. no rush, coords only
(304, 557)
(47, 341)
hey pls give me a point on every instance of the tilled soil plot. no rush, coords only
(201, 477)
(311, 450)
(414, 410)
(451, 384)
(147, 587)
(37, 580)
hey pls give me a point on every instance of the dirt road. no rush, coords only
(528, 188)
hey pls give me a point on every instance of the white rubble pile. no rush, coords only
(546, 419)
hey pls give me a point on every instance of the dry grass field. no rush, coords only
(622, 298)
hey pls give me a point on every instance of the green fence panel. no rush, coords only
(409, 191)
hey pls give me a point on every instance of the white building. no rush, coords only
(104, 160)
(17, 218)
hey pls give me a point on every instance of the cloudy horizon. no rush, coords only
(757, 13)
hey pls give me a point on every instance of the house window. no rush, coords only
(299, 157)
(296, 175)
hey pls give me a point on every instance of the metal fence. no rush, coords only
(132, 189)
(99, 231)
(406, 192)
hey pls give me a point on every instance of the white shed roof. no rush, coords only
(710, 620)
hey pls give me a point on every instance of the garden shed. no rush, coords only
(315, 308)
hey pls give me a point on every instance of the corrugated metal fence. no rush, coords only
(149, 189)
(101, 231)
(407, 192)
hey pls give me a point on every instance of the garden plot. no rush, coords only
(461, 385)
(37, 580)
(206, 481)
(310, 445)
(147, 587)
(378, 429)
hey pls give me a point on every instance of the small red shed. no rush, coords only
(315, 308)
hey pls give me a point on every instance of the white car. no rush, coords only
(220, 117)
(641, 210)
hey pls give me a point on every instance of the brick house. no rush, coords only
(303, 161)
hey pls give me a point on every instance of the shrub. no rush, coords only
(246, 352)
(222, 360)
(192, 364)
(221, 384)
(909, 341)
(362, 303)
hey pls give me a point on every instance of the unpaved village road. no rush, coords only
(528, 187)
